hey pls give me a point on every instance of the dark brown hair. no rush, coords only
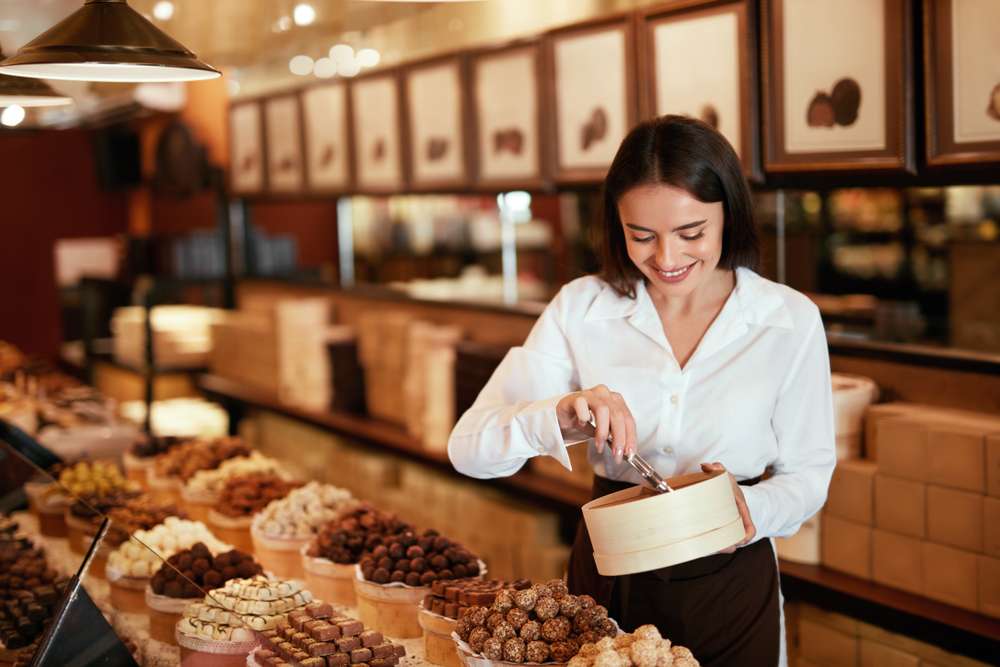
(690, 155)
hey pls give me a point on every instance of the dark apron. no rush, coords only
(723, 607)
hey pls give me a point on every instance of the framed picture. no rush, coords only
(593, 95)
(962, 80)
(836, 103)
(436, 123)
(246, 148)
(718, 85)
(327, 145)
(378, 143)
(283, 123)
(507, 127)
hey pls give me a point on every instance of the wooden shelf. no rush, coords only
(952, 628)
(389, 437)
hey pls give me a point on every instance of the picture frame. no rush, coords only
(247, 159)
(327, 138)
(962, 82)
(436, 116)
(507, 129)
(719, 85)
(283, 144)
(591, 74)
(836, 104)
(376, 115)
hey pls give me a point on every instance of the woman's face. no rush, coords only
(672, 238)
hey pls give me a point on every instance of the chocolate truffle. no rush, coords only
(526, 599)
(531, 631)
(477, 638)
(517, 617)
(493, 649)
(513, 650)
(546, 608)
(504, 631)
(556, 629)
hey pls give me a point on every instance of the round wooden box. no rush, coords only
(279, 555)
(333, 582)
(439, 647)
(198, 505)
(80, 532)
(391, 609)
(232, 530)
(197, 652)
(137, 469)
(165, 490)
(128, 594)
(50, 509)
(638, 530)
(164, 612)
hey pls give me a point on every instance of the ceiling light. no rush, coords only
(301, 65)
(368, 57)
(163, 10)
(349, 69)
(28, 92)
(12, 115)
(283, 24)
(304, 14)
(325, 68)
(342, 54)
(106, 40)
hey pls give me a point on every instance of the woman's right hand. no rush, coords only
(611, 416)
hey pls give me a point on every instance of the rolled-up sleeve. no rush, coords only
(803, 424)
(514, 417)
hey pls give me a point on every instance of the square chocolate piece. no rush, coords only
(348, 644)
(312, 623)
(380, 662)
(299, 622)
(350, 628)
(325, 632)
(322, 648)
(399, 650)
(338, 660)
(313, 662)
(370, 638)
(451, 609)
(361, 655)
(383, 651)
(319, 609)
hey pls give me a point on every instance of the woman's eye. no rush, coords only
(642, 239)
(695, 237)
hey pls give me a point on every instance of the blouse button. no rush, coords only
(668, 450)
(674, 399)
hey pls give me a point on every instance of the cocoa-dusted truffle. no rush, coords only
(555, 630)
(517, 617)
(526, 599)
(513, 650)
(546, 608)
(537, 652)
(531, 631)
(477, 638)
(504, 631)
(493, 649)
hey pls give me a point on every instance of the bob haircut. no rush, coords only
(687, 154)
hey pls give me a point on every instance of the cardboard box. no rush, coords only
(826, 646)
(902, 447)
(898, 561)
(852, 492)
(993, 465)
(989, 585)
(956, 456)
(900, 506)
(951, 576)
(875, 654)
(847, 546)
(955, 518)
(874, 414)
(991, 527)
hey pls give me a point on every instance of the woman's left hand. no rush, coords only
(741, 503)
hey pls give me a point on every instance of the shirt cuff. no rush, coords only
(756, 501)
(540, 427)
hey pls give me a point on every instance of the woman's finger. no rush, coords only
(619, 434)
(602, 420)
(632, 444)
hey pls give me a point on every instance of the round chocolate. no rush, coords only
(546, 608)
(504, 631)
(493, 649)
(556, 629)
(531, 631)
(517, 617)
(537, 652)
(477, 637)
(526, 599)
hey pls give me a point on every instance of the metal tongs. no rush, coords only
(646, 471)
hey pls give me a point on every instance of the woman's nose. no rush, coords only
(667, 256)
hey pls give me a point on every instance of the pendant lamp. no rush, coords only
(28, 92)
(106, 40)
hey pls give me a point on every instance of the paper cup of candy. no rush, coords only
(198, 505)
(279, 555)
(49, 504)
(128, 594)
(166, 490)
(439, 647)
(389, 608)
(164, 612)
(80, 533)
(137, 469)
(638, 530)
(234, 530)
(198, 652)
(333, 582)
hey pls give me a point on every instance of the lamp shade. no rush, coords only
(106, 40)
(28, 92)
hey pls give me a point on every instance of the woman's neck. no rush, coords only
(708, 296)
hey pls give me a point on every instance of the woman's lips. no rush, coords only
(675, 276)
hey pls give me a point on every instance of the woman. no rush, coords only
(682, 353)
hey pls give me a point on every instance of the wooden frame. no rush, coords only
(699, 16)
(325, 153)
(831, 113)
(495, 172)
(244, 156)
(283, 144)
(436, 119)
(943, 121)
(602, 128)
(365, 135)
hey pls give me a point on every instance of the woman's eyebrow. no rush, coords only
(689, 225)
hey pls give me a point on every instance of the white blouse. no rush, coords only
(755, 394)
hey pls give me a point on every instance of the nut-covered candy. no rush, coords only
(537, 652)
(556, 629)
(586, 601)
(504, 631)
(647, 632)
(546, 608)
(504, 601)
(513, 650)
(477, 638)
(526, 599)
(517, 617)
(531, 631)
(493, 649)
(557, 588)
(493, 620)
(562, 651)
(569, 606)
(644, 652)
